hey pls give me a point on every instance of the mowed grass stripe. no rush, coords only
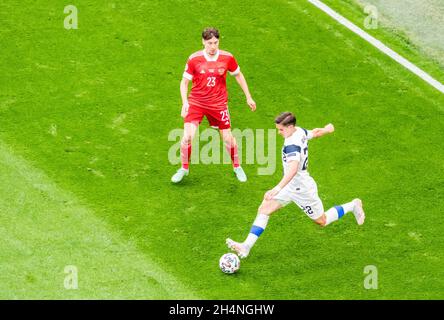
(43, 229)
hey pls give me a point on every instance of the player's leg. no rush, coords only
(221, 119)
(231, 146)
(337, 212)
(266, 209)
(189, 132)
(190, 129)
(308, 199)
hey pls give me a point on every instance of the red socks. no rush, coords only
(232, 150)
(185, 155)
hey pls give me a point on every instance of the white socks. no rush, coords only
(259, 225)
(338, 212)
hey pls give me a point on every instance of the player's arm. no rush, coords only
(184, 94)
(291, 172)
(186, 78)
(319, 132)
(243, 84)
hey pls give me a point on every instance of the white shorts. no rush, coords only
(305, 196)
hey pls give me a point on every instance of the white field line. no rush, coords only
(378, 44)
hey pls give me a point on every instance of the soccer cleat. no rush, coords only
(358, 211)
(240, 174)
(241, 249)
(178, 176)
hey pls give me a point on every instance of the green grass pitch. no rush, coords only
(85, 178)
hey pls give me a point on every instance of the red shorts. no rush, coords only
(217, 118)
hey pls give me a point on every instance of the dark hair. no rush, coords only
(286, 119)
(209, 33)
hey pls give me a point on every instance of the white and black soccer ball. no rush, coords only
(229, 263)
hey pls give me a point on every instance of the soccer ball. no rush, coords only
(229, 263)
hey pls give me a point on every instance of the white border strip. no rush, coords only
(378, 44)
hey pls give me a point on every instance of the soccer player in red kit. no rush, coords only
(207, 69)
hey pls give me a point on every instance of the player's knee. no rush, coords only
(187, 138)
(229, 139)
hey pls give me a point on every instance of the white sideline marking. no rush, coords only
(378, 44)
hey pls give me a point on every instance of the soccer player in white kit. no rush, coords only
(296, 186)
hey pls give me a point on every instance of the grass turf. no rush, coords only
(93, 107)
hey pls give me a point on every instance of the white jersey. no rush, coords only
(302, 189)
(296, 149)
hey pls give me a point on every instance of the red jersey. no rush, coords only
(209, 75)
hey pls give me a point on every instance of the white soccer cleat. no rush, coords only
(358, 211)
(178, 176)
(241, 249)
(240, 174)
